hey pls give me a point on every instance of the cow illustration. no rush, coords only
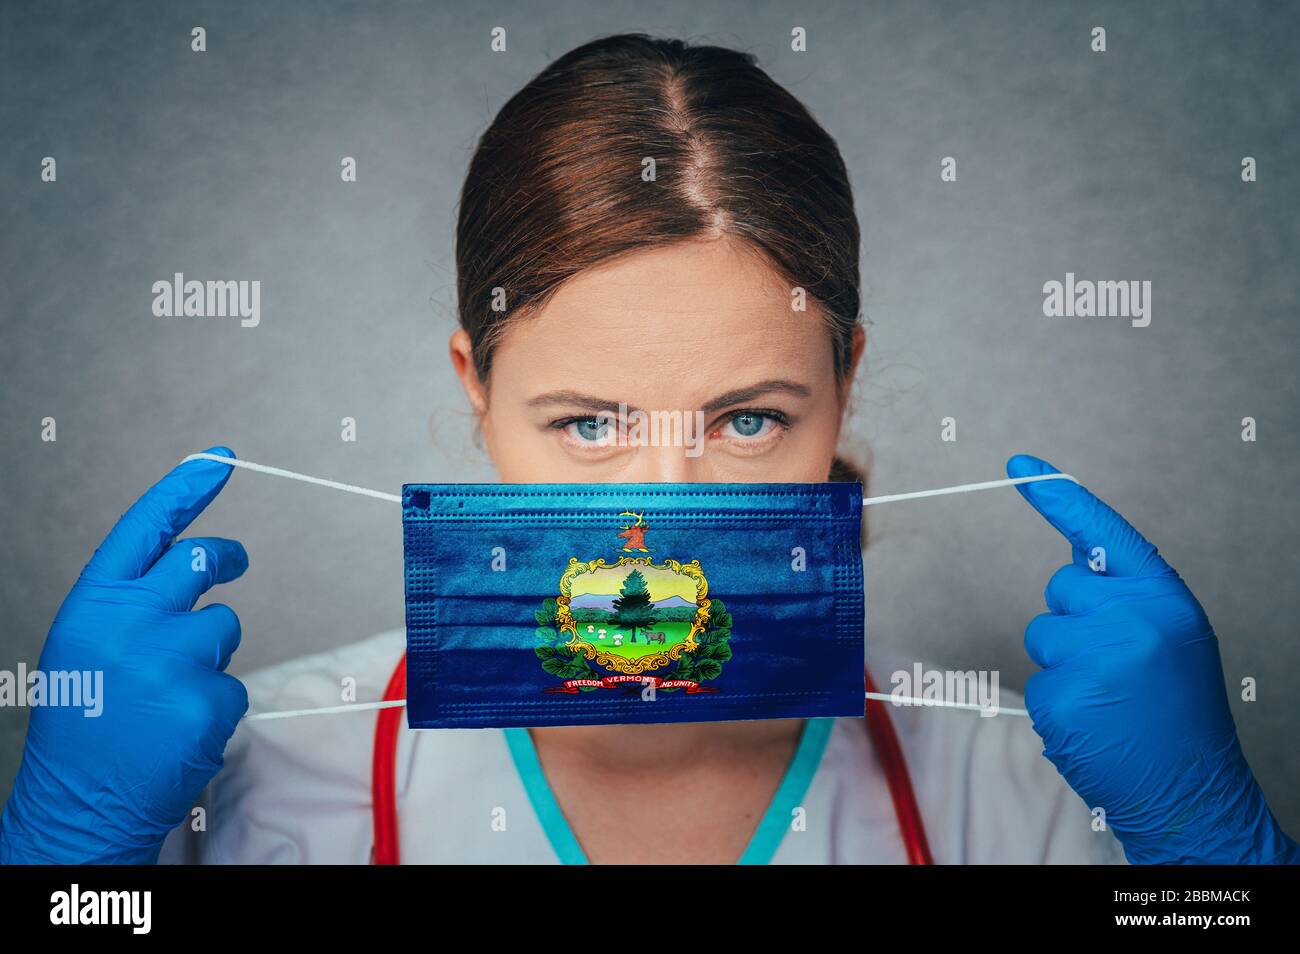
(654, 638)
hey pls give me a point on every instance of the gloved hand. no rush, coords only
(108, 789)
(1130, 702)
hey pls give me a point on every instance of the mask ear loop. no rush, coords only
(397, 499)
(393, 703)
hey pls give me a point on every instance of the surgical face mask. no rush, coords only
(589, 604)
(777, 565)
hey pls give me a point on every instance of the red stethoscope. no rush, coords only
(383, 786)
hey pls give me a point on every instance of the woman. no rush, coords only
(663, 226)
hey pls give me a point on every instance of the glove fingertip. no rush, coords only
(1026, 465)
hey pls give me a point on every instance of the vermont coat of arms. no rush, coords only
(633, 621)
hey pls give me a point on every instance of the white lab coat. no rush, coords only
(297, 791)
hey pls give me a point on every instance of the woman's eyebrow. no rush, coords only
(573, 399)
(737, 396)
(748, 394)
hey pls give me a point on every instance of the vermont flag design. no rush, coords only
(578, 604)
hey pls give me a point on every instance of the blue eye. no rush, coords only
(589, 429)
(747, 425)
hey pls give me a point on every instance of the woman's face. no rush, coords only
(700, 338)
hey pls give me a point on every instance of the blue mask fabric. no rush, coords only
(592, 604)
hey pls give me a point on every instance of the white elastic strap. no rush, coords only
(395, 498)
(908, 701)
(398, 703)
(324, 710)
(277, 472)
(965, 488)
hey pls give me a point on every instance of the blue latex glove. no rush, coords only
(1131, 703)
(107, 790)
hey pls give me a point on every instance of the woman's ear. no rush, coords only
(462, 360)
(855, 357)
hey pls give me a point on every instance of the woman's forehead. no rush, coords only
(692, 317)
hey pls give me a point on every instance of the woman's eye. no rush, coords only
(589, 430)
(747, 425)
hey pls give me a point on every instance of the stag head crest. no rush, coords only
(640, 519)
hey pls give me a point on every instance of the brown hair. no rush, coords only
(556, 185)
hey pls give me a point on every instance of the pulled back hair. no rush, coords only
(555, 185)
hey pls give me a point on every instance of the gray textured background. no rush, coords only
(226, 165)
